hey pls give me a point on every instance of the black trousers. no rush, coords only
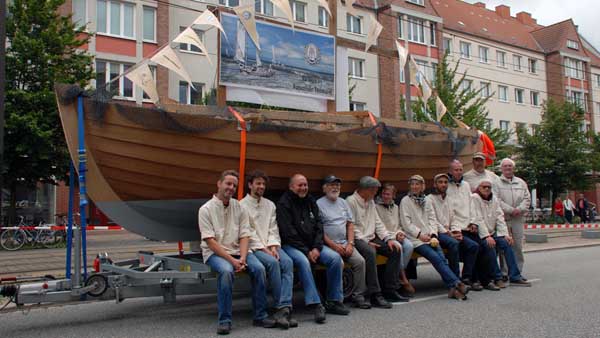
(391, 279)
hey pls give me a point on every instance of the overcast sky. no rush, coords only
(585, 13)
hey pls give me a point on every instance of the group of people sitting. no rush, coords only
(470, 218)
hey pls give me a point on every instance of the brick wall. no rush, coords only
(162, 35)
(554, 77)
(389, 71)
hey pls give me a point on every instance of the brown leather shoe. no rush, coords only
(408, 289)
(500, 283)
(454, 293)
(462, 288)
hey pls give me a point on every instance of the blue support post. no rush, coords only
(70, 220)
(83, 202)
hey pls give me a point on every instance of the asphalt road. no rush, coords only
(563, 302)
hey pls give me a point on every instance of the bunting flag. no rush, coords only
(440, 109)
(350, 8)
(375, 29)
(488, 148)
(209, 19)
(414, 71)
(166, 57)
(402, 54)
(142, 76)
(460, 123)
(284, 6)
(426, 91)
(324, 4)
(247, 18)
(190, 36)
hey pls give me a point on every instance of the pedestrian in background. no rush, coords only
(582, 207)
(569, 208)
(559, 209)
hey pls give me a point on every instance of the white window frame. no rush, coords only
(354, 105)
(350, 25)
(462, 54)
(154, 23)
(227, 3)
(122, 19)
(295, 10)
(597, 80)
(416, 30)
(466, 85)
(482, 51)
(572, 44)
(501, 56)
(522, 92)
(502, 93)
(432, 33)
(417, 2)
(530, 62)
(447, 44)
(353, 64)
(536, 95)
(85, 13)
(188, 96)
(186, 47)
(120, 81)
(323, 17)
(574, 68)
(517, 63)
(401, 28)
(262, 7)
(504, 125)
(485, 89)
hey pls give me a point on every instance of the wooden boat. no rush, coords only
(150, 170)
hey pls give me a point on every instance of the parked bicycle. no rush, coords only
(14, 239)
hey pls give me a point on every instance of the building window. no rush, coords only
(189, 47)
(400, 27)
(483, 54)
(424, 70)
(149, 24)
(501, 59)
(299, 11)
(534, 128)
(489, 123)
(357, 106)
(115, 18)
(517, 63)
(573, 44)
(79, 12)
(598, 107)
(466, 85)
(597, 80)
(533, 66)
(521, 126)
(417, 2)
(354, 24)
(577, 98)
(485, 89)
(519, 93)
(229, 3)
(447, 45)
(356, 68)
(504, 125)
(107, 71)
(323, 17)
(465, 50)
(503, 93)
(574, 68)
(264, 7)
(432, 29)
(401, 75)
(416, 31)
(189, 95)
(535, 99)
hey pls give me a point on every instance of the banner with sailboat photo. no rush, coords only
(286, 61)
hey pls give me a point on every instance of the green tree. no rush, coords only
(43, 48)
(558, 155)
(465, 104)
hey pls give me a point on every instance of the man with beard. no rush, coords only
(475, 175)
(449, 234)
(339, 235)
(424, 236)
(493, 230)
(266, 246)
(372, 238)
(301, 232)
(225, 233)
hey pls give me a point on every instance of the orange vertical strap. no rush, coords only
(243, 138)
(379, 147)
(180, 248)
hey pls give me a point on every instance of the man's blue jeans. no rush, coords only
(225, 277)
(334, 265)
(280, 274)
(511, 260)
(436, 257)
(466, 249)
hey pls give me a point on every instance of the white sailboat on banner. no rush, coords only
(241, 56)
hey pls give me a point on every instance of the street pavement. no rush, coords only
(563, 302)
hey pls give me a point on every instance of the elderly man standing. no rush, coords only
(425, 236)
(266, 246)
(389, 214)
(372, 238)
(301, 232)
(225, 232)
(515, 200)
(475, 175)
(339, 235)
(493, 230)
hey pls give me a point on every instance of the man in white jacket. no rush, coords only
(493, 230)
(475, 175)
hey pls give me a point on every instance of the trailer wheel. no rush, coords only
(101, 285)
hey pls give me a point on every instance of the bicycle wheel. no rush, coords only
(12, 239)
(48, 238)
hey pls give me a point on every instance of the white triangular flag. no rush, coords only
(208, 18)
(284, 6)
(402, 54)
(166, 57)
(426, 91)
(142, 76)
(324, 4)
(440, 109)
(414, 71)
(190, 36)
(350, 8)
(246, 16)
(375, 29)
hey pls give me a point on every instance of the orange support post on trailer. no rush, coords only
(379, 147)
(243, 138)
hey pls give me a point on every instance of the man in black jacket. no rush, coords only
(301, 233)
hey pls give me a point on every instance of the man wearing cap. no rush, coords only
(449, 234)
(266, 246)
(475, 175)
(301, 232)
(388, 212)
(339, 235)
(425, 236)
(372, 238)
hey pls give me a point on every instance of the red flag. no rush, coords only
(488, 148)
